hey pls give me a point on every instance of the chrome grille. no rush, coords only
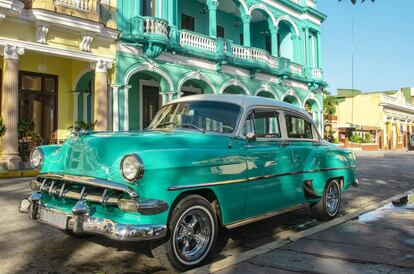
(77, 191)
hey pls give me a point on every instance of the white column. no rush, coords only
(126, 108)
(10, 106)
(85, 107)
(75, 106)
(101, 95)
(170, 95)
(115, 107)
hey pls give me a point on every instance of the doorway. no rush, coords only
(38, 103)
(151, 103)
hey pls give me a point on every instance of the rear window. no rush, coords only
(298, 128)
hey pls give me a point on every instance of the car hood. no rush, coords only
(99, 154)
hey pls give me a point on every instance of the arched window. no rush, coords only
(285, 41)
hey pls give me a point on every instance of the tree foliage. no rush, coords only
(329, 105)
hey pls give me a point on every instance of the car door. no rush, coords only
(303, 140)
(268, 162)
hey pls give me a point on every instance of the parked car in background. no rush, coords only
(205, 161)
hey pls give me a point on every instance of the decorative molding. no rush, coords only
(267, 88)
(41, 33)
(196, 75)
(312, 97)
(291, 12)
(77, 55)
(85, 44)
(69, 22)
(290, 21)
(292, 93)
(264, 8)
(152, 68)
(10, 8)
(102, 66)
(11, 52)
(234, 82)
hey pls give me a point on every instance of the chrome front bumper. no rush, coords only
(80, 222)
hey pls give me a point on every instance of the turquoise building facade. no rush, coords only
(174, 48)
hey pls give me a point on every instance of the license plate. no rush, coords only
(55, 218)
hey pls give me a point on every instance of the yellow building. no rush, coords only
(57, 59)
(384, 119)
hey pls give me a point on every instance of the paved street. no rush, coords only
(29, 247)
(381, 241)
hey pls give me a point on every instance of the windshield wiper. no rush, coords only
(192, 126)
(165, 124)
(181, 125)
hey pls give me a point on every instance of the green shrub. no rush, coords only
(2, 127)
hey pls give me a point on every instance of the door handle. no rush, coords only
(283, 144)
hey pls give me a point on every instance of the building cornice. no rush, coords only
(61, 52)
(69, 22)
(316, 13)
(295, 10)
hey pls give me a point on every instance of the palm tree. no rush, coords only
(362, 1)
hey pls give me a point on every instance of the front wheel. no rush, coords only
(328, 207)
(193, 231)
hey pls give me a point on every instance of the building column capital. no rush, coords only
(102, 66)
(274, 29)
(11, 52)
(246, 19)
(213, 4)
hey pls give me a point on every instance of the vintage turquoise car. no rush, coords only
(205, 162)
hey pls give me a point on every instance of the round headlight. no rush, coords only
(132, 167)
(36, 158)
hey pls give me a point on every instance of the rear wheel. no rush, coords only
(193, 231)
(328, 207)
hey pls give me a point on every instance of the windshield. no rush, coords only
(199, 115)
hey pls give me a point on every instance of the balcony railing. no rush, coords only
(296, 68)
(254, 54)
(82, 5)
(86, 9)
(155, 26)
(158, 34)
(198, 41)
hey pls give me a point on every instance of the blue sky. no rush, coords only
(383, 44)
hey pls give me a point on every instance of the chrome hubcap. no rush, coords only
(193, 235)
(332, 199)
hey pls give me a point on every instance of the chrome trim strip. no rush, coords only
(90, 181)
(265, 216)
(235, 181)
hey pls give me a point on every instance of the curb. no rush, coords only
(19, 174)
(244, 256)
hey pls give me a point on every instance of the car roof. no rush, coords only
(244, 101)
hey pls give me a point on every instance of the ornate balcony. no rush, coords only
(157, 36)
(197, 41)
(254, 57)
(87, 9)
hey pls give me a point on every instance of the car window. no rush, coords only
(249, 124)
(298, 128)
(267, 124)
(264, 123)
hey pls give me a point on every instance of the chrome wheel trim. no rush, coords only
(193, 234)
(332, 198)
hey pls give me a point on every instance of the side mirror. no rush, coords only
(251, 137)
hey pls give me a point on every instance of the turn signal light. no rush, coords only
(128, 205)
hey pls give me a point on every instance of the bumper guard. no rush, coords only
(80, 222)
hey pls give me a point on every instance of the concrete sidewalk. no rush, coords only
(381, 241)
